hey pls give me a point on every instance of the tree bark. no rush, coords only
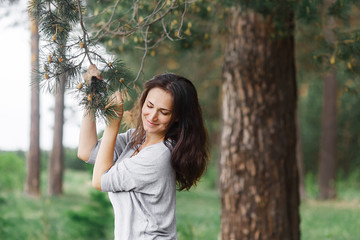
(327, 163)
(258, 175)
(56, 156)
(32, 184)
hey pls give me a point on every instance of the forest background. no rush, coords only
(74, 214)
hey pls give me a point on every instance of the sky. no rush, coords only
(15, 70)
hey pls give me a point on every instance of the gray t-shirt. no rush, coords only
(142, 190)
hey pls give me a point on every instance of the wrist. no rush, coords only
(90, 115)
(114, 125)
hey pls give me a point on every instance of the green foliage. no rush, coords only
(66, 51)
(311, 186)
(340, 57)
(12, 172)
(94, 220)
(176, 26)
(340, 9)
(308, 11)
(348, 186)
(55, 17)
(10, 216)
(348, 152)
(71, 161)
(56, 20)
(210, 179)
(339, 52)
(310, 107)
(280, 7)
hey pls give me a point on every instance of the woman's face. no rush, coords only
(156, 112)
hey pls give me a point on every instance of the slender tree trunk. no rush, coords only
(258, 175)
(327, 164)
(56, 156)
(32, 185)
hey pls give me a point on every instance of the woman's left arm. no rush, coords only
(104, 159)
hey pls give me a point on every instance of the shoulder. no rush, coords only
(125, 137)
(157, 150)
(158, 154)
(129, 134)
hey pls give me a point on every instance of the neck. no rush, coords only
(151, 139)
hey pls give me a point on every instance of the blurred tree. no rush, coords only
(56, 160)
(331, 53)
(337, 40)
(327, 161)
(307, 139)
(32, 184)
(258, 146)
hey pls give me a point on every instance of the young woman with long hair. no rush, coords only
(141, 168)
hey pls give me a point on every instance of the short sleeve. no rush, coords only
(141, 173)
(121, 141)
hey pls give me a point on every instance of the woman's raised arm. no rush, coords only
(104, 158)
(88, 137)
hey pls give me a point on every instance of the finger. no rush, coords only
(118, 97)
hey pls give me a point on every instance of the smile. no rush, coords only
(150, 123)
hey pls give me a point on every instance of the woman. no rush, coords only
(141, 168)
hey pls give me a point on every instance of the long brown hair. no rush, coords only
(186, 136)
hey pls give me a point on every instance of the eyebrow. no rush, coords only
(163, 109)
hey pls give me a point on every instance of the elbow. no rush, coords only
(82, 156)
(96, 184)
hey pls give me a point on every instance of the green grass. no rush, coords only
(198, 214)
(330, 220)
(82, 213)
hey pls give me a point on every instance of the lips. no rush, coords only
(150, 123)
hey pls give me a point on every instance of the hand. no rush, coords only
(116, 103)
(92, 72)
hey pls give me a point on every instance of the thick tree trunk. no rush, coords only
(32, 184)
(327, 164)
(56, 156)
(258, 175)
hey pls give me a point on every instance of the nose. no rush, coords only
(153, 116)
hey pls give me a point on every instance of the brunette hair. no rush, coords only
(186, 136)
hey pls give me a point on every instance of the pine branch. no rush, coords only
(145, 53)
(66, 53)
(85, 35)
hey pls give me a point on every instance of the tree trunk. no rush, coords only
(327, 164)
(258, 175)
(56, 156)
(32, 185)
